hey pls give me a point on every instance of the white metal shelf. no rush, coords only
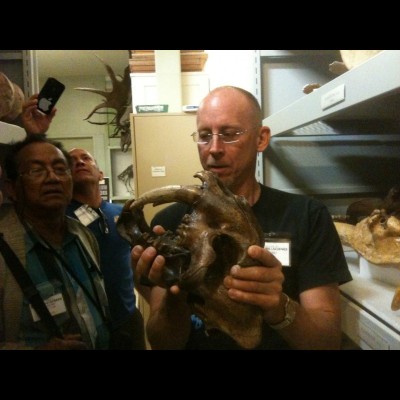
(371, 91)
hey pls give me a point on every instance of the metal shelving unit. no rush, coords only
(369, 92)
(20, 66)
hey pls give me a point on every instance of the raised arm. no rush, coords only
(33, 120)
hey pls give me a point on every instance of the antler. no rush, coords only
(118, 98)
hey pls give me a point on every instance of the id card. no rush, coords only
(279, 244)
(55, 304)
(86, 214)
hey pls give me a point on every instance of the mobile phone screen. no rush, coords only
(49, 95)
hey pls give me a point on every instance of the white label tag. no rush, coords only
(86, 214)
(281, 250)
(55, 304)
(333, 97)
(158, 171)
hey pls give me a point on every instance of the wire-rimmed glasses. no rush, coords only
(228, 136)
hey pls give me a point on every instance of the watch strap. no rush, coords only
(290, 314)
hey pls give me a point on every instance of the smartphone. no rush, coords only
(49, 95)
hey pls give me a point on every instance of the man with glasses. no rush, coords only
(299, 295)
(58, 257)
(100, 217)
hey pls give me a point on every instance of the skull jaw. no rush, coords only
(209, 241)
(242, 322)
(210, 264)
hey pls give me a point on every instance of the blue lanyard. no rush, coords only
(94, 299)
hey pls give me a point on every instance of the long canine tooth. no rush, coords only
(168, 194)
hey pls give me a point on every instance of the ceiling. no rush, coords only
(59, 63)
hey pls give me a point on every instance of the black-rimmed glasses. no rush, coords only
(41, 172)
(204, 137)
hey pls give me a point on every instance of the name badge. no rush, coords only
(55, 304)
(279, 244)
(86, 214)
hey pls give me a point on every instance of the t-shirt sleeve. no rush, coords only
(323, 260)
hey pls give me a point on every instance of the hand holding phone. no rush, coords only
(49, 95)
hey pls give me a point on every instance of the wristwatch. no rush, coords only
(290, 314)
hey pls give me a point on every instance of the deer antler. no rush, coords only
(119, 99)
(119, 96)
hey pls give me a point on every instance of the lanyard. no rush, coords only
(94, 299)
(28, 288)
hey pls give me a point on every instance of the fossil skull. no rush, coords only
(377, 236)
(212, 238)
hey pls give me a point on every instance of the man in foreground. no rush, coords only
(301, 301)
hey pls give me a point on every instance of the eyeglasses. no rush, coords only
(204, 137)
(40, 172)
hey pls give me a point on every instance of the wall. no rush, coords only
(224, 67)
(73, 107)
(231, 67)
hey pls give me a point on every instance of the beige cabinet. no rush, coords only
(163, 152)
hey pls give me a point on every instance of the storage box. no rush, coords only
(144, 61)
(153, 108)
(389, 274)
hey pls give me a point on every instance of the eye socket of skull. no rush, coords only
(227, 252)
(175, 266)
